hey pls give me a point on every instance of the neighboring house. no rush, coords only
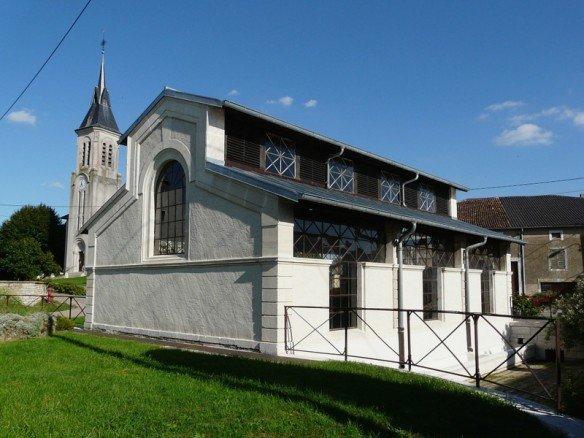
(552, 228)
(96, 177)
(228, 215)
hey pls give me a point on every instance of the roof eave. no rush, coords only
(296, 196)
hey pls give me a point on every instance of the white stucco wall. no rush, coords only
(377, 289)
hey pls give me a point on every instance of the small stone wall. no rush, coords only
(23, 288)
(522, 330)
(23, 327)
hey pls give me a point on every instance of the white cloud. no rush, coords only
(508, 104)
(284, 101)
(54, 184)
(22, 116)
(558, 112)
(310, 103)
(527, 134)
(233, 92)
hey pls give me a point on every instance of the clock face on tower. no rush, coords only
(82, 184)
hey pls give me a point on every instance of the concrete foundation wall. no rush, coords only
(209, 303)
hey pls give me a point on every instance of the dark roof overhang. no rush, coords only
(296, 192)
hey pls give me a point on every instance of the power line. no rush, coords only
(532, 183)
(46, 60)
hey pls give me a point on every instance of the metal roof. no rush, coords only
(296, 191)
(169, 92)
(348, 147)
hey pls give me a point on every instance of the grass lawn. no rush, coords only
(77, 384)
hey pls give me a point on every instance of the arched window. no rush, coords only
(103, 153)
(88, 155)
(169, 210)
(110, 154)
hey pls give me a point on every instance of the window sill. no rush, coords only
(165, 258)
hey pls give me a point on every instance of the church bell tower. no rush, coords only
(95, 178)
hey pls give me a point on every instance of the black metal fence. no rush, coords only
(67, 306)
(550, 393)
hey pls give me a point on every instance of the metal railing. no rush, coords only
(477, 375)
(68, 306)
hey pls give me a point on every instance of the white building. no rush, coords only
(96, 176)
(229, 215)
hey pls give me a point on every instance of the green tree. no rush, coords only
(571, 316)
(24, 259)
(32, 243)
(42, 223)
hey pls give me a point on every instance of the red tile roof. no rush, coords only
(516, 212)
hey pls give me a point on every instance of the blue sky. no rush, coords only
(482, 93)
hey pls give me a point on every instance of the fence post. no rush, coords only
(558, 367)
(7, 299)
(408, 317)
(70, 306)
(476, 352)
(346, 337)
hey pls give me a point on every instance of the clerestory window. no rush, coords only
(280, 156)
(341, 175)
(390, 189)
(426, 199)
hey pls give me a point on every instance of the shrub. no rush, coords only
(14, 326)
(573, 395)
(542, 299)
(65, 288)
(64, 324)
(523, 306)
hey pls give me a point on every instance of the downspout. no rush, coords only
(403, 235)
(337, 155)
(403, 187)
(467, 288)
(522, 257)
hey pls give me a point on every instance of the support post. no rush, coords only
(408, 319)
(467, 287)
(558, 367)
(476, 350)
(286, 329)
(70, 306)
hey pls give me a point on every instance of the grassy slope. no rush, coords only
(84, 385)
(14, 306)
(79, 281)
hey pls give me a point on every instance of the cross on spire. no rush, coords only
(103, 41)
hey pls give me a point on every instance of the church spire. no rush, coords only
(100, 113)
(101, 81)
